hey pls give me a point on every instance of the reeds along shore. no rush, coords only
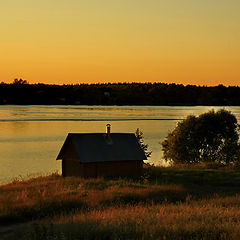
(163, 203)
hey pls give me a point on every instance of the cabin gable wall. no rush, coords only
(69, 151)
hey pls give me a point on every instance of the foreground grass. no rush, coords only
(161, 204)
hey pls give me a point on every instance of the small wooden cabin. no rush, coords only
(99, 154)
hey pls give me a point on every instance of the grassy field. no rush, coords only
(163, 203)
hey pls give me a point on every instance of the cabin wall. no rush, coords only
(119, 168)
(69, 151)
(102, 169)
(71, 167)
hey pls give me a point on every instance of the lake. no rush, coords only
(31, 136)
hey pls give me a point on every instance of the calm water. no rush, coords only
(31, 136)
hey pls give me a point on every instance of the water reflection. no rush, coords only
(31, 136)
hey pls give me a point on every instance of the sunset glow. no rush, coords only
(70, 41)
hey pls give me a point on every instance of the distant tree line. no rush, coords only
(21, 92)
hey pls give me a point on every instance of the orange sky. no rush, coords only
(76, 41)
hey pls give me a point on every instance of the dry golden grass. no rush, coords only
(174, 221)
(161, 204)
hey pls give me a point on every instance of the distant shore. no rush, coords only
(142, 94)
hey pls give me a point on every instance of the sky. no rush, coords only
(76, 41)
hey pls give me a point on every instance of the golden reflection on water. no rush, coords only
(32, 147)
(29, 147)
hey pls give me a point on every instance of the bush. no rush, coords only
(210, 137)
(139, 136)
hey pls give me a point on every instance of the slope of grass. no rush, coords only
(163, 203)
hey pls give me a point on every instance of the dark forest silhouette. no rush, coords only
(21, 92)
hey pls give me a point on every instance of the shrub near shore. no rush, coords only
(162, 204)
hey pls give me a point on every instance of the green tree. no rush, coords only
(210, 137)
(139, 136)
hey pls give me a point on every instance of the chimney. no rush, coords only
(108, 132)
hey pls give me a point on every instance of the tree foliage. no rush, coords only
(210, 137)
(139, 136)
(20, 81)
(21, 92)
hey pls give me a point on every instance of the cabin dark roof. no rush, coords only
(94, 147)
